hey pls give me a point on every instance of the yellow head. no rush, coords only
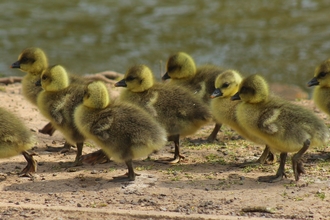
(253, 89)
(54, 78)
(32, 60)
(138, 78)
(179, 66)
(96, 95)
(321, 75)
(227, 84)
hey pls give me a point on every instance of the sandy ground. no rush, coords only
(208, 184)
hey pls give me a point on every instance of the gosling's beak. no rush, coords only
(313, 82)
(121, 83)
(38, 83)
(235, 97)
(216, 93)
(17, 64)
(166, 76)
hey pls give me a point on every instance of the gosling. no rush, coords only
(123, 131)
(182, 71)
(224, 110)
(175, 108)
(321, 80)
(57, 103)
(285, 127)
(16, 138)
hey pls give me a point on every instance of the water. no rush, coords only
(282, 40)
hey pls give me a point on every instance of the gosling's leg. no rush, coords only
(211, 138)
(95, 157)
(297, 164)
(31, 166)
(48, 129)
(279, 174)
(266, 157)
(79, 153)
(177, 156)
(77, 161)
(129, 176)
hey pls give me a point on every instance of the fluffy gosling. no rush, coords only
(176, 109)
(16, 138)
(224, 110)
(123, 131)
(284, 126)
(182, 71)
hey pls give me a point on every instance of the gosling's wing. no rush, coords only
(268, 120)
(101, 128)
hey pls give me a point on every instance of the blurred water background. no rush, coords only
(281, 39)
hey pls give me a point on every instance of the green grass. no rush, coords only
(214, 158)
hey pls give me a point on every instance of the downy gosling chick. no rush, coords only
(123, 131)
(16, 138)
(182, 71)
(32, 61)
(321, 80)
(224, 109)
(176, 109)
(57, 103)
(284, 126)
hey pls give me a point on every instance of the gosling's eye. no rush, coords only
(44, 77)
(26, 60)
(173, 68)
(130, 78)
(225, 85)
(322, 74)
(245, 90)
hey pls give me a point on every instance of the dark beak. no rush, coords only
(38, 83)
(166, 76)
(121, 83)
(17, 64)
(216, 93)
(313, 82)
(235, 97)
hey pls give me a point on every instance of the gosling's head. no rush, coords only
(227, 83)
(32, 60)
(180, 66)
(96, 95)
(54, 78)
(253, 89)
(321, 75)
(137, 79)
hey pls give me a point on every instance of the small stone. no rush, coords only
(79, 205)
(122, 201)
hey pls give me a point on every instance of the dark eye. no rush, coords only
(246, 90)
(130, 78)
(322, 74)
(173, 68)
(26, 60)
(44, 77)
(225, 85)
